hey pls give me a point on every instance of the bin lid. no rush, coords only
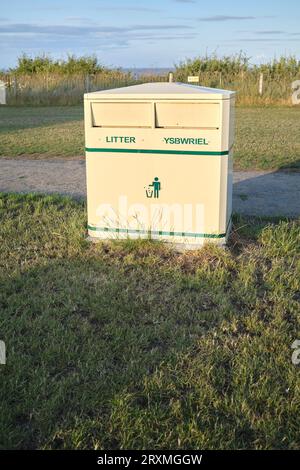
(162, 90)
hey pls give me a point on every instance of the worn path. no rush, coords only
(255, 192)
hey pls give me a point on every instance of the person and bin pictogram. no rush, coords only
(156, 188)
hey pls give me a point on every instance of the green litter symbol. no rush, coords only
(156, 188)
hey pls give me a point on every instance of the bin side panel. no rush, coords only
(229, 187)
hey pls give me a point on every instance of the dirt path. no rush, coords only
(255, 192)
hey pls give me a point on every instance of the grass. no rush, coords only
(266, 138)
(131, 345)
(41, 131)
(63, 89)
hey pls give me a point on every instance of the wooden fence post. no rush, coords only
(15, 86)
(2, 92)
(170, 77)
(87, 83)
(261, 83)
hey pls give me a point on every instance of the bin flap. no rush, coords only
(123, 114)
(187, 115)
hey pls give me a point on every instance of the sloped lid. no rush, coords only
(162, 90)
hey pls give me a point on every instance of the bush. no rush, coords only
(44, 64)
(227, 64)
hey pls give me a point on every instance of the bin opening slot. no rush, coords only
(123, 114)
(187, 115)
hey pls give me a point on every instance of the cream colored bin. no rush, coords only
(159, 163)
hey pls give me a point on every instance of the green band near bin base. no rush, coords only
(156, 232)
(160, 152)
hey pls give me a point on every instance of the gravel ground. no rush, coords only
(254, 193)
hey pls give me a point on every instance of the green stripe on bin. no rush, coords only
(155, 151)
(156, 232)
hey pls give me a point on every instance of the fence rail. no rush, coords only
(58, 89)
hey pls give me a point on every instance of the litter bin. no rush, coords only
(159, 163)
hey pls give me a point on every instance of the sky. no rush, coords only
(153, 33)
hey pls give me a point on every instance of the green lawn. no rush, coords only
(130, 345)
(41, 131)
(266, 138)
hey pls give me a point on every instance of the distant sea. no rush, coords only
(137, 72)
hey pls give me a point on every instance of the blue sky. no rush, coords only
(156, 33)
